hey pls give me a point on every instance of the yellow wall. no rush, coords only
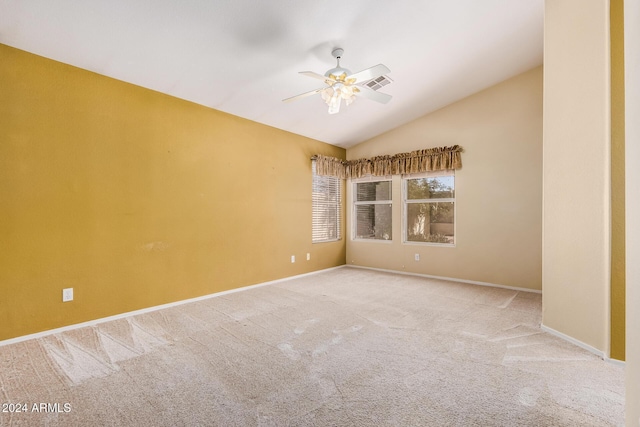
(617, 183)
(576, 171)
(498, 189)
(136, 199)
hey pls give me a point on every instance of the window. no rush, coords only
(326, 209)
(372, 210)
(429, 208)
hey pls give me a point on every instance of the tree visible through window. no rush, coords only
(429, 209)
(326, 208)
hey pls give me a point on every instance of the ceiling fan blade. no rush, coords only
(372, 94)
(316, 76)
(369, 73)
(304, 95)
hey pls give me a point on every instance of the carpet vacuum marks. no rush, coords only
(344, 347)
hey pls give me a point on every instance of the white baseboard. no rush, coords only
(616, 362)
(154, 308)
(450, 279)
(580, 344)
(574, 341)
(552, 331)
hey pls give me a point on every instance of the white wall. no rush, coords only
(498, 188)
(576, 171)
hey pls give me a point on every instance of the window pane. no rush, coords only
(430, 222)
(373, 191)
(440, 187)
(373, 221)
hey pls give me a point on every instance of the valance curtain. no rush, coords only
(430, 159)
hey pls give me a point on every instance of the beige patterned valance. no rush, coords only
(430, 159)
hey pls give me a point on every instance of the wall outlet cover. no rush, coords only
(67, 294)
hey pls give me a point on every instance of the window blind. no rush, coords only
(326, 207)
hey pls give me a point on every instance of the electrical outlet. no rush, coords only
(417, 257)
(308, 256)
(293, 258)
(67, 294)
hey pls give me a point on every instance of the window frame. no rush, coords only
(316, 209)
(355, 203)
(406, 202)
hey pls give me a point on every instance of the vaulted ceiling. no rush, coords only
(243, 56)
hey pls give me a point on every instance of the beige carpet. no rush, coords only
(346, 347)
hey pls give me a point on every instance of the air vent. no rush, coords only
(378, 82)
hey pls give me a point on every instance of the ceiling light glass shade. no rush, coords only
(334, 95)
(334, 103)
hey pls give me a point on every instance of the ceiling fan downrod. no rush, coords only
(338, 70)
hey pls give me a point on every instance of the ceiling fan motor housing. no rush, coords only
(338, 70)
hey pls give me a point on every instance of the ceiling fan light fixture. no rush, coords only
(334, 103)
(326, 94)
(348, 93)
(334, 95)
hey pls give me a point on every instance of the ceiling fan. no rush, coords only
(341, 84)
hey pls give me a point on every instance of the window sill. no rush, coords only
(372, 240)
(438, 245)
(326, 241)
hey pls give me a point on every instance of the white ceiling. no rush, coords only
(243, 56)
